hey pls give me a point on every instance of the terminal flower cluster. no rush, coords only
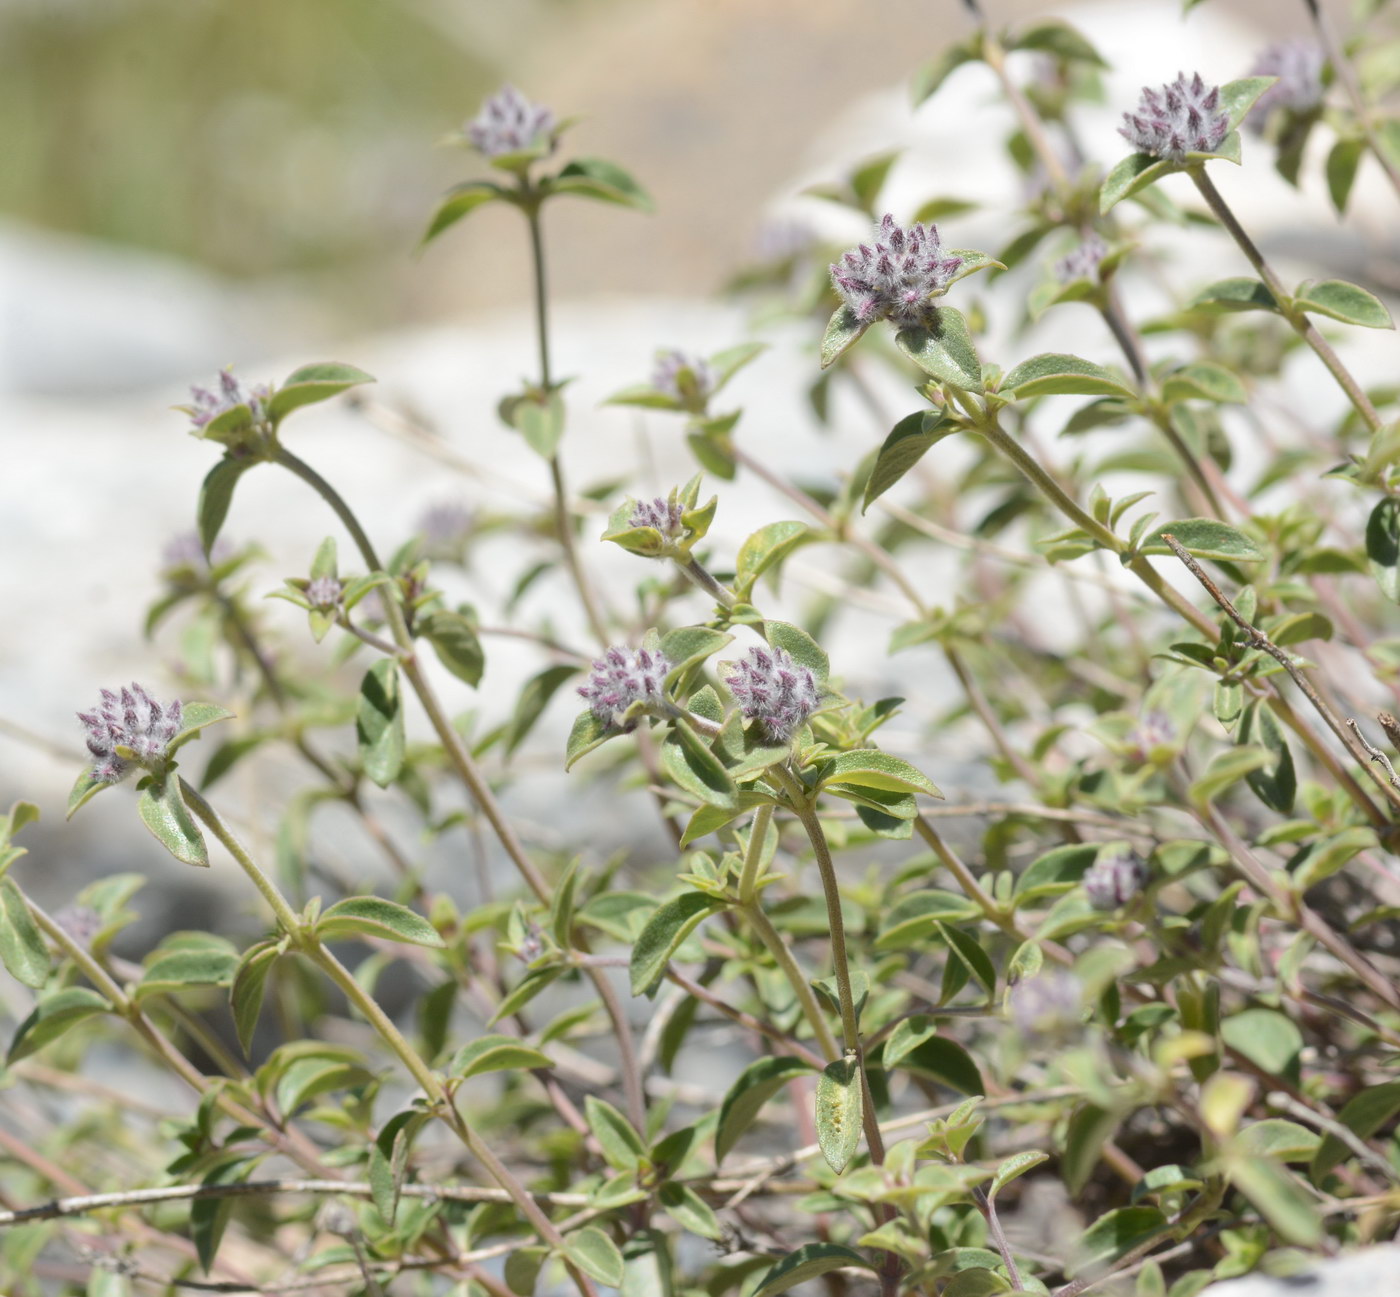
(1114, 880)
(509, 123)
(1180, 118)
(666, 377)
(134, 720)
(664, 515)
(774, 690)
(896, 275)
(1298, 66)
(324, 592)
(624, 676)
(1081, 262)
(207, 405)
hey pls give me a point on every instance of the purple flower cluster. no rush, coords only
(1047, 1007)
(1298, 66)
(509, 123)
(1114, 880)
(622, 677)
(445, 528)
(1083, 261)
(324, 592)
(209, 405)
(666, 377)
(774, 690)
(130, 719)
(186, 550)
(1180, 118)
(894, 277)
(664, 515)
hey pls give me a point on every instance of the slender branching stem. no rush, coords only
(696, 574)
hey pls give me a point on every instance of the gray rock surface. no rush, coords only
(1374, 1272)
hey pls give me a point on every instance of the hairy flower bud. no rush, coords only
(324, 592)
(666, 377)
(895, 276)
(510, 123)
(1083, 261)
(774, 690)
(664, 515)
(130, 719)
(1180, 118)
(1114, 880)
(622, 677)
(1298, 66)
(1047, 1007)
(209, 405)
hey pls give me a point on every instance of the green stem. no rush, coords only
(384, 1026)
(697, 575)
(1302, 325)
(753, 857)
(797, 979)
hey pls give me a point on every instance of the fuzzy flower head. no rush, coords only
(185, 551)
(1048, 1007)
(1082, 262)
(668, 377)
(1298, 66)
(774, 690)
(622, 677)
(1115, 879)
(664, 515)
(324, 592)
(894, 277)
(1180, 118)
(131, 720)
(510, 123)
(1155, 729)
(445, 528)
(207, 404)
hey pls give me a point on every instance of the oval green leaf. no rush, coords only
(839, 1109)
(373, 916)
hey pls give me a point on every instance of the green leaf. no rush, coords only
(1237, 294)
(689, 646)
(766, 548)
(326, 1069)
(692, 766)
(839, 1109)
(522, 1269)
(1280, 1198)
(906, 445)
(373, 916)
(1113, 1235)
(1269, 1039)
(246, 992)
(933, 74)
(539, 418)
(1363, 1114)
(1342, 163)
(623, 1148)
(1238, 97)
(946, 1061)
(51, 1017)
(1285, 1141)
(1326, 857)
(195, 717)
(1135, 173)
(215, 497)
(455, 641)
(601, 180)
(1053, 373)
(672, 923)
(843, 331)
(913, 917)
(388, 1160)
(967, 949)
(460, 201)
(977, 1282)
(496, 1054)
(757, 1083)
(872, 768)
(1204, 381)
(210, 1216)
(207, 966)
(1227, 768)
(804, 649)
(1089, 1128)
(1054, 873)
(587, 733)
(163, 811)
(945, 351)
(1276, 784)
(689, 1210)
(529, 986)
(1204, 538)
(1382, 549)
(808, 1262)
(534, 698)
(379, 723)
(1342, 301)
(22, 948)
(1057, 38)
(311, 384)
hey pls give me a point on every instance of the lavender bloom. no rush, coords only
(666, 377)
(1083, 261)
(186, 550)
(622, 677)
(1047, 1007)
(1298, 66)
(664, 515)
(445, 528)
(774, 690)
(510, 123)
(134, 720)
(1180, 118)
(1155, 729)
(324, 592)
(895, 279)
(209, 405)
(1114, 880)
